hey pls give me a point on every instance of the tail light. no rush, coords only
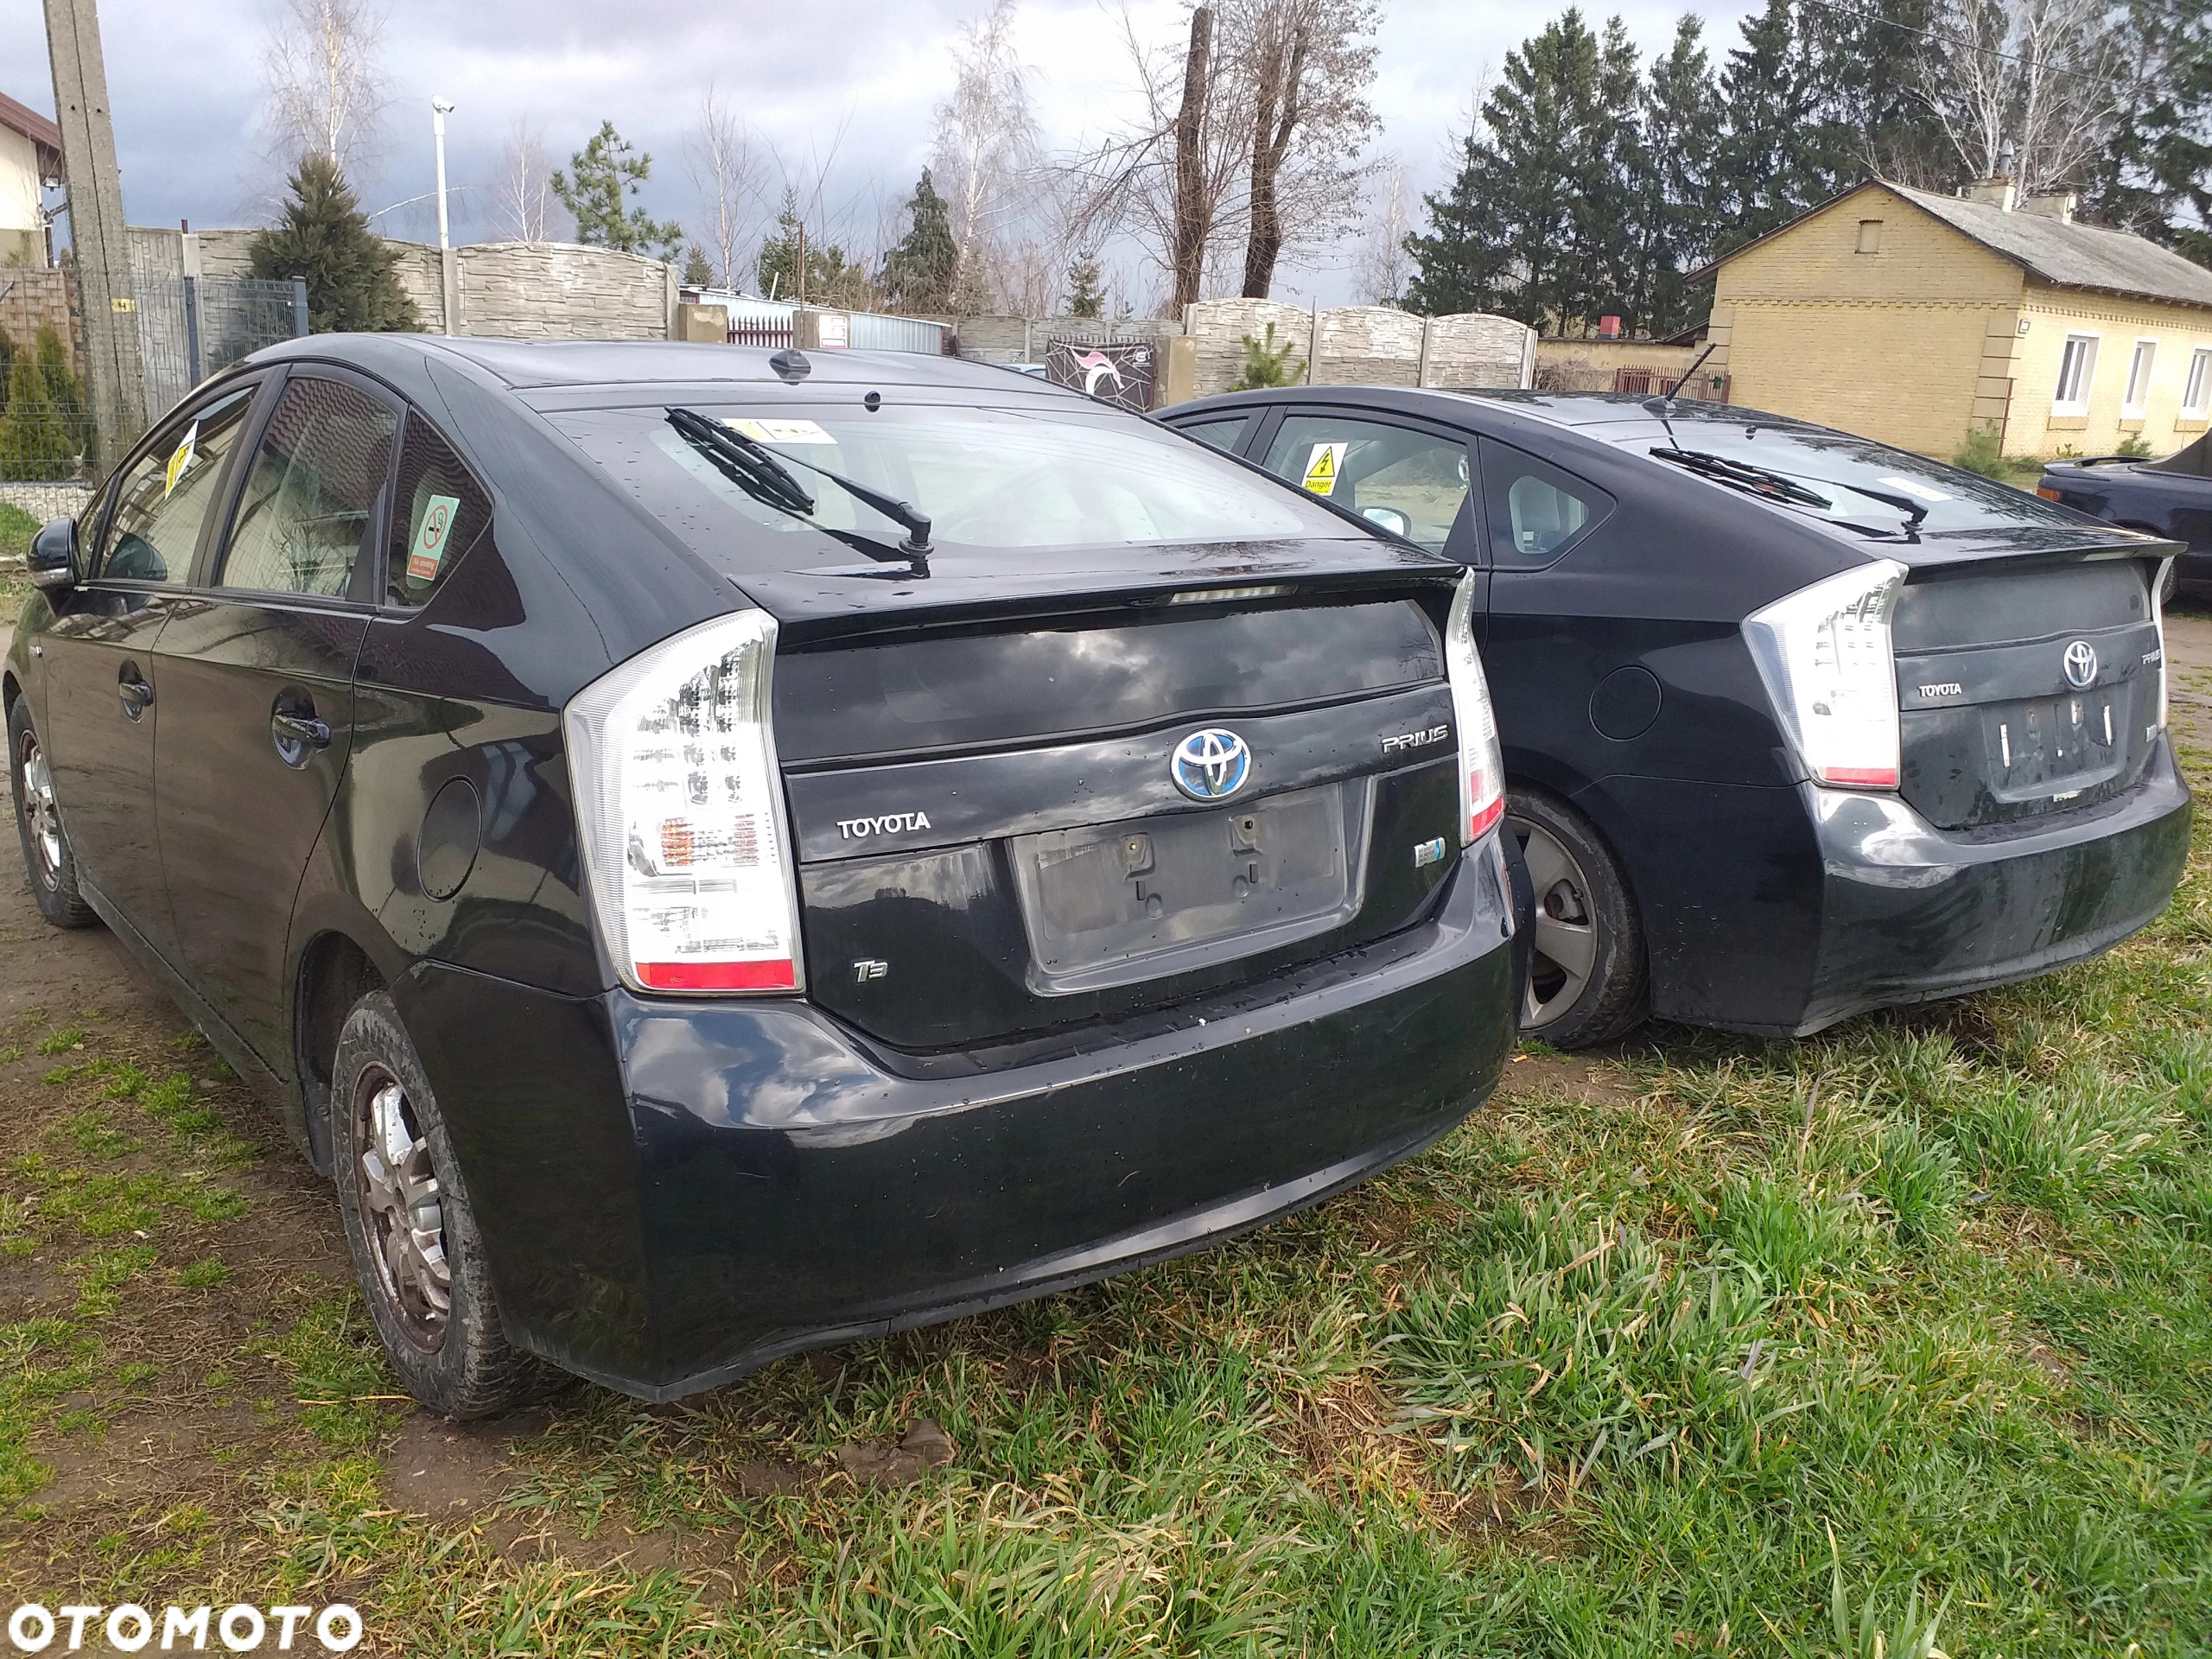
(1482, 768)
(682, 810)
(2048, 493)
(2159, 615)
(1831, 672)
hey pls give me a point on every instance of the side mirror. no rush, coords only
(1390, 520)
(52, 558)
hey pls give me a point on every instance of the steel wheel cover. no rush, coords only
(1565, 949)
(402, 1219)
(35, 784)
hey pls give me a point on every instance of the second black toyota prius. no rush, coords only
(722, 854)
(1795, 724)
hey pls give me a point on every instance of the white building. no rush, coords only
(30, 158)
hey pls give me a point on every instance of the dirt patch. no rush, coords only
(923, 1447)
(438, 1469)
(1569, 1076)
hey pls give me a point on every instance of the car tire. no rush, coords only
(1586, 981)
(412, 1230)
(47, 857)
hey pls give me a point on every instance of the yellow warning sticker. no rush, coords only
(1322, 466)
(428, 549)
(180, 461)
(782, 431)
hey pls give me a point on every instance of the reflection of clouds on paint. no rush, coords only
(842, 81)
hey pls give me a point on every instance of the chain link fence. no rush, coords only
(188, 328)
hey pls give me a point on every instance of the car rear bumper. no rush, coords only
(674, 1193)
(1779, 911)
(1910, 913)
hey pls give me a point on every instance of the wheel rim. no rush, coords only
(40, 813)
(401, 1216)
(1564, 952)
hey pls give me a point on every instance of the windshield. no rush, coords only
(1839, 466)
(986, 478)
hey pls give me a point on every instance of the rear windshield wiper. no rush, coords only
(761, 473)
(1758, 481)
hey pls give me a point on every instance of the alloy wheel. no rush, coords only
(1564, 949)
(36, 783)
(401, 1213)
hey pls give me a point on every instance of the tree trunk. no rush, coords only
(1189, 253)
(1273, 123)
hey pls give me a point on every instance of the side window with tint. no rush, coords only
(1411, 483)
(164, 496)
(309, 503)
(1225, 434)
(1536, 512)
(437, 515)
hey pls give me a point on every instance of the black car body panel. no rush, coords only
(2170, 499)
(2039, 820)
(351, 792)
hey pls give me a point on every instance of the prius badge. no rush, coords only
(1210, 765)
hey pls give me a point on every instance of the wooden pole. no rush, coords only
(97, 237)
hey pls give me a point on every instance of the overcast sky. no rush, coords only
(846, 82)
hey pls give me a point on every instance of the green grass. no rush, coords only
(1897, 1339)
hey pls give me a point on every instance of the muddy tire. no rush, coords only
(1586, 982)
(47, 857)
(416, 1246)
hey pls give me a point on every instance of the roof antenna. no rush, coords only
(791, 366)
(1663, 405)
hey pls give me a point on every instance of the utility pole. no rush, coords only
(97, 236)
(448, 269)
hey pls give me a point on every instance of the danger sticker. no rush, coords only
(428, 549)
(180, 462)
(782, 431)
(1322, 465)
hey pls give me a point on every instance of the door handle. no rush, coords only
(300, 729)
(134, 691)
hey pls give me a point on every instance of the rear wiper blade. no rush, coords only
(1756, 479)
(761, 474)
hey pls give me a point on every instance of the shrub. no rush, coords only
(1267, 364)
(1983, 452)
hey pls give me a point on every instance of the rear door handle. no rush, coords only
(297, 733)
(135, 692)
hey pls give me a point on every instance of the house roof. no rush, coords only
(2049, 250)
(29, 121)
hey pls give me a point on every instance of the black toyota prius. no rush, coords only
(1795, 724)
(719, 854)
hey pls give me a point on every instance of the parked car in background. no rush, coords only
(722, 853)
(1795, 724)
(2170, 499)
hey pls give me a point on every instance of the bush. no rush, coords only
(1983, 452)
(35, 441)
(1267, 364)
(2133, 446)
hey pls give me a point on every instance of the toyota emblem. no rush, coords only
(1211, 764)
(2081, 663)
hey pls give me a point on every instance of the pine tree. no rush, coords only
(1267, 364)
(352, 277)
(1676, 217)
(598, 177)
(918, 275)
(66, 391)
(1086, 296)
(2155, 178)
(35, 437)
(830, 279)
(697, 273)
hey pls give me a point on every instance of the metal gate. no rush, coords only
(191, 326)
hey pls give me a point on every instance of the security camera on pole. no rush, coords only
(448, 269)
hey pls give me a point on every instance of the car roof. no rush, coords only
(533, 365)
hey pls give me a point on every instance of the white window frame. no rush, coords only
(2083, 365)
(2198, 382)
(2142, 364)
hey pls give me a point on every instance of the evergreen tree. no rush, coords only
(599, 178)
(352, 276)
(2155, 178)
(830, 279)
(697, 273)
(66, 391)
(918, 275)
(1086, 296)
(1677, 217)
(35, 437)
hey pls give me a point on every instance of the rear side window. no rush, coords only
(1224, 435)
(437, 514)
(1536, 512)
(309, 503)
(163, 497)
(1411, 483)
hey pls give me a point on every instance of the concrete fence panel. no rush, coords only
(1369, 345)
(562, 290)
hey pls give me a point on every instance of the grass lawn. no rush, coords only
(17, 529)
(1694, 1350)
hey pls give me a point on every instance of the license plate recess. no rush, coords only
(1114, 904)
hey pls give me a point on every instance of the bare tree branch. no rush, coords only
(2023, 87)
(326, 92)
(729, 170)
(523, 206)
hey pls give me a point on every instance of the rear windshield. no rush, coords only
(987, 477)
(1837, 466)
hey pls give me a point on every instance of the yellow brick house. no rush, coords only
(1918, 318)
